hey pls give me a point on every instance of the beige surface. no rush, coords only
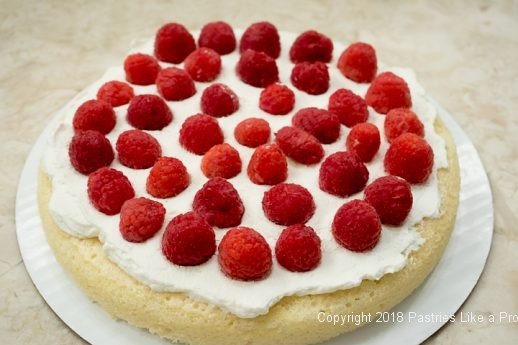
(466, 55)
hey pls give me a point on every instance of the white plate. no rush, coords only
(439, 297)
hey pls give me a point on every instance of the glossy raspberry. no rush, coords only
(410, 157)
(350, 108)
(261, 37)
(358, 62)
(391, 197)
(95, 115)
(356, 226)
(277, 99)
(299, 145)
(402, 120)
(244, 254)
(320, 123)
(115, 93)
(311, 46)
(218, 36)
(203, 64)
(221, 161)
(108, 189)
(188, 240)
(137, 149)
(288, 204)
(174, 84)
(311, 77)
(219, 203)
(364, 140)
(173, 43)
(343, 174)
(257, 69)
(149, 112)
(219, 100)
(199, 133)
(268, 165)
(252, 132)
(140, 219)
(141, 69)
(298, 248)
(167, 178)
(388, 91)
(89, 150)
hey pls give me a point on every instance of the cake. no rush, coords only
(243, 187)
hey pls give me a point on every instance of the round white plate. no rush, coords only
(437, 299)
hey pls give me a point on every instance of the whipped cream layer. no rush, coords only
(339, 269)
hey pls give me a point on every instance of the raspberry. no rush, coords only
(364, 140)
(203, 64)
(402, 120)
(356, 226)
(343, 174)
(244, 254)
(320, 123)
(277, 99)
(267, 165)
(252, 132)
(288, 204)
(199, 133)
(173, 43)
(140, 219)
(219, 100)
(311, 77)
(108, 189)
(149, 112)
(358, 62)
(261, 37)
(221, 161)
(298, 248)
(299, 145)
(137, 149)
(218, 36)
(174, 84)
(388, 91)
(95, 115)
(257, 69)
(115, 93)
(391, 197)
(350, 108)
(89, 150)
(410, 157)
(167, 178)
(141, 69)
(311, 46)
(188, 240)
(219, 203)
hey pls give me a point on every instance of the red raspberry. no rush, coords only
(174, 84)
(364, 140)
(199, 133)
(320, 123)
(267, 165)
(252, 132)
(298, 248)
(391, 197)
(141, 218)
(257, 69)
(261, 37)
(108, 189)
(343, 174)
(311, 46)
(167, 178)
(299, 145)
(288, 204)
(173, 43)
(311, 77)
(410, 157)
(350, 108)
(219, 203)
(188, 240)
(221, 161)
(358, 62)
(203, 64)
(137, 149)
(141, 69)
(356, 226)
(402, 120)
(244, 254)
(149, 112)
(277, 99)
(218, 36)
(388, 91)
(95, 115)
(219, 100)
(115, 93)
(89, 150)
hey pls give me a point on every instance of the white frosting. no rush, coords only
(339, 269)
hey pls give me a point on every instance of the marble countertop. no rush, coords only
(465, 54)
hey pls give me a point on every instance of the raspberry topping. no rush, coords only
(199, 133)
(358, 62)
(257, 69)
(219, 100)
(268, 165)
(137, 149)
(288, 204)
(149, 112)
(95, 115)
(140, 219)
(320, 123)
(402, 120)
(343, 174)
(174, 84)
(261, 37)
(391, 197)
(221, 161)
(252, 132)
(277, 99)
(218, 36)
(203, 64)
(115, 93)
(311, 46)
(311, 77)
(89, 150)
(141, 69)
(298, 248)
(364, 140)
(108, 189)
(350, 108)
(299, 145)
(167, 178)
(388, 91)
(173, 43)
